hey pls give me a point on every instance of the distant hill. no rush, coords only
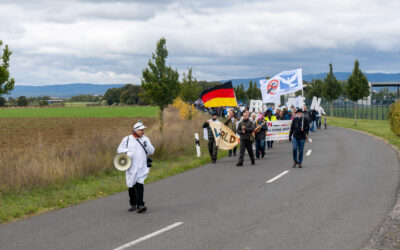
(68, 90)
(372, 77)
(63, 90)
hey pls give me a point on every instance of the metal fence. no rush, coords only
(376, 110)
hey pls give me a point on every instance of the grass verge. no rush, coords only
(378, 128)
(37, 201)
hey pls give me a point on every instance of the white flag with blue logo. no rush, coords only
(283, 83)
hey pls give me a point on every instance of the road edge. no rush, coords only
(387, 235)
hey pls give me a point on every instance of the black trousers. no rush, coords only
(246, 144)
(212, 149)
(233, 150)
(136, 195)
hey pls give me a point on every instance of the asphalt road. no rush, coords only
(344, 192)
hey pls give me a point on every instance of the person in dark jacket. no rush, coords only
(212, 146)
(231, 123)
(299, 130)
(261, 128)
(245, 130)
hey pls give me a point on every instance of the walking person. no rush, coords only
(270, 117)
(231, 124)
(138, 147)
(245, 130)
(298, 130)
(212, 146)
(260, 133)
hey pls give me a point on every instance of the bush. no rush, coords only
(22, 101)
(2, 101)
(394, 117)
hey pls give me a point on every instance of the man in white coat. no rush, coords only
(137, 146)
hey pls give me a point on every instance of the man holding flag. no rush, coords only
(219, 96)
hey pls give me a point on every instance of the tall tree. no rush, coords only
(253, 92)
(357, 87)
(190, 90)
(6, 83)
(332, 89)
(314, 89)
(160, 82)
(240, 93)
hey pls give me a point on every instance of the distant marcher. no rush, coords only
(298, 130)
(245, 130)
(212, 146)
(231, 123)
(313, 120)
(269, 117)
(261, 128)
(307, 115)
(137, 146)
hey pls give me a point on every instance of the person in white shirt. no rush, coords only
(137, 146)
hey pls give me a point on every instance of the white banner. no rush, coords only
(283, 83)
(278, 130)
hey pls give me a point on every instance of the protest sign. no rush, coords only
(278, 130)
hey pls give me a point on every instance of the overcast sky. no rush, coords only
(56, 42)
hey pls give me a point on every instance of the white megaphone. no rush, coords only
(122, 162)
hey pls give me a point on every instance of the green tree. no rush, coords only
(112, 95)
(130, 95)
(253, 92)
(357, 87)
(6, 83)
(2, 101)
(314, 89)
(160, 82)
(22, 101)
(207, 85)
(331, 89)
(240, 93)
(190, 90)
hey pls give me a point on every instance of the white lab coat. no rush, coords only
(138, 171)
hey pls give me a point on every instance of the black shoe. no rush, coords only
(132, 208)
(253, 162)
(214, 161)
(300, 166)
(294, 164)
(234, 154)
(239, 165)
(141, 209)
(229, 155)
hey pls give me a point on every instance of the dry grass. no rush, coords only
(37, 152)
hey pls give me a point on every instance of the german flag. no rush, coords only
(218, 96)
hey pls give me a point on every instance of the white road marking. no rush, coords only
(278, 176)
(309, 152)
(309, 139)
(132, 243)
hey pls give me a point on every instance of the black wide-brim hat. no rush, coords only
(299, 110)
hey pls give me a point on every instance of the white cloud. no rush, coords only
(111, 41)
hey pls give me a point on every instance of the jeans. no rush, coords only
(260, 147)
(318, 122)
(233, 150)
(313, 126)
(269, 144)
(298, 144)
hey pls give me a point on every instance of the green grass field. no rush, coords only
(146, 111)
(377, 128)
